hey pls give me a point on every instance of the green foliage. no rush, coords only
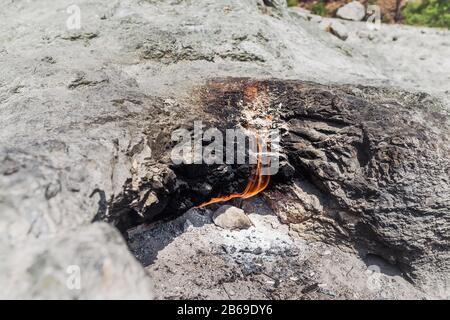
(319, 8)
(292, 3)
(430, 13)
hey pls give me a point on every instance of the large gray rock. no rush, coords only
(352, 11)
(87, 264)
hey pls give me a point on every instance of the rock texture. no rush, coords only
(83, 111)
(338, 29)
(229, 217)
(354, 10)
(265, 261)
(375, 160)
(87, 264)
(373, 166)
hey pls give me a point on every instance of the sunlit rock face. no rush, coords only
(86, 117)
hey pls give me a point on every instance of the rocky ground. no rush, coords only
(390, 9)
(83, 111)
(192, 258)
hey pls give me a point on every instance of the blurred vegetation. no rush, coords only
(430, 13)
(319, 9)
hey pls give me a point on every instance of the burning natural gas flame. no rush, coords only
(256, 183)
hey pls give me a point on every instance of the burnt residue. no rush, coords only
(346, 141)
(188, 186)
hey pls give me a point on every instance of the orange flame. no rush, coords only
(256, 184)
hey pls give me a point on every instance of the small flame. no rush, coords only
(256, 184)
